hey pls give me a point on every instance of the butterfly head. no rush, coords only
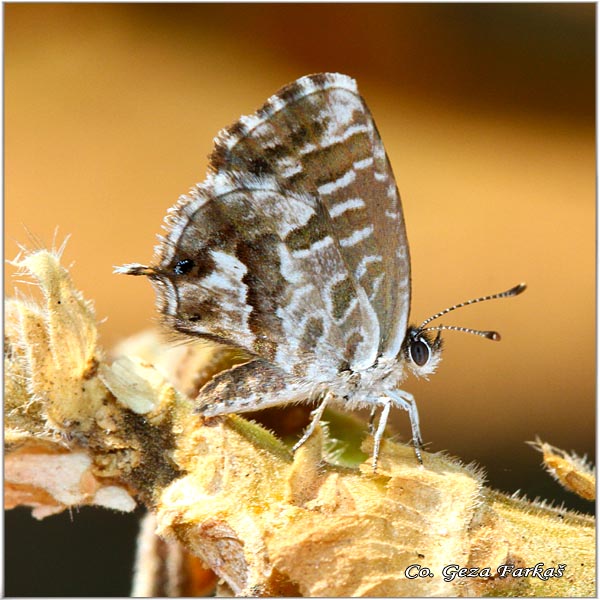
(177, 295)
(422, 351)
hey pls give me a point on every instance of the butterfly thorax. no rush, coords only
(419, 355)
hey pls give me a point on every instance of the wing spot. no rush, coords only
(357, 236)
(351, 204)
(260, 166)
(304, 237)
(313, 332)
(342, 182)
(342, 294)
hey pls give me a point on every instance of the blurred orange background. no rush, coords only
(487, 112)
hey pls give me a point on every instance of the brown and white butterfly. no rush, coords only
(294, 249)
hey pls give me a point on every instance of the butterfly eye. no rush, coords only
(184, 266)
(420, 352)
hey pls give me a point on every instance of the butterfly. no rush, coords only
(294, 250)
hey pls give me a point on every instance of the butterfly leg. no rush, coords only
(372, 420)
(386, 403)
(315, 418)
(406, 401)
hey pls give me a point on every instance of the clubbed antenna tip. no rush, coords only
(518, 289)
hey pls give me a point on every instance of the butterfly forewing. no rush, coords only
(297, 236)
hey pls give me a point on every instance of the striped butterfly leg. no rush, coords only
(315, 418)
(386, 404)
(247, 387)
(372, 420)
(405, 401)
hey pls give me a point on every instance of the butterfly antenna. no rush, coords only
(490, 335)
